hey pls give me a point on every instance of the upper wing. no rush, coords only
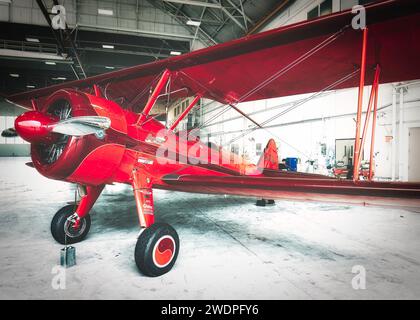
(304, 57)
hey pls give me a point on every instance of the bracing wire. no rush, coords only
(296, 105)
(273, 77)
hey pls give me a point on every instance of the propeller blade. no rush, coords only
(9, 133)
(82, 126)
(30, 164)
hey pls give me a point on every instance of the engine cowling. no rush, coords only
(88, 159)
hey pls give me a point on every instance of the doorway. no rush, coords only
(414, 154)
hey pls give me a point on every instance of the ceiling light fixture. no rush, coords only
(175, 53)
(51, 63)
(197, 3)
(109, 67)
(14, 75)
(32, 40)
(29, 86)
(107, 46)
(106, 12)
(193, 23)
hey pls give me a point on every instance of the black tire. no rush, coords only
(148, 252)
(62, 231)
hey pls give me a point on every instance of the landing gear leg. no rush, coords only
(70, 225)
(158, 243)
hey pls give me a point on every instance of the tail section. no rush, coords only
(269, 159)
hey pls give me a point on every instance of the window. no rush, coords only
(258, 148)
(323, 149)
(176, 111)
(325, 7)
(320, 10)
(363, 2)
(234, 148)
(313, 13)
(348, 4)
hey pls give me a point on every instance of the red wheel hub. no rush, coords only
(163, 251)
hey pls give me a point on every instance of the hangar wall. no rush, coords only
(137, 16)
(132, 17)
(11, 147)
(302, 132)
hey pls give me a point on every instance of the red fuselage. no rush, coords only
(93, 161)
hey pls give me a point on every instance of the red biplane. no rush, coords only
(102, 130)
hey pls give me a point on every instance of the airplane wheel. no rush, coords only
(64, 231)
(156, 249)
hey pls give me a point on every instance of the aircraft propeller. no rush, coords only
(34, 126)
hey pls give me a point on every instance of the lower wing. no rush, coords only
(295, 186)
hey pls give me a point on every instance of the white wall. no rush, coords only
(11, 146)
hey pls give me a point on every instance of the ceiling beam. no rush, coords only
(73, 47)
(238, 23)
(144, 33)
(223, 24)
(32, 56)
(241, 10)
(214, 4)
(273, 13)
(197, 3)
(57, 37)
(181, 21)
(129, 52)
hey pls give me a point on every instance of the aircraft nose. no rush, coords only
(35, 127)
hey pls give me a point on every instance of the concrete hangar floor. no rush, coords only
(230, 249)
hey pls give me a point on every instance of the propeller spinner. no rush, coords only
(37, 127)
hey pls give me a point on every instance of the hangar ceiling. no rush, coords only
(105, 35)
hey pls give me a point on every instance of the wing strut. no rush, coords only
(359, 107)
(186, 111)
(372, 141)
(372, 100)
(151, 102)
